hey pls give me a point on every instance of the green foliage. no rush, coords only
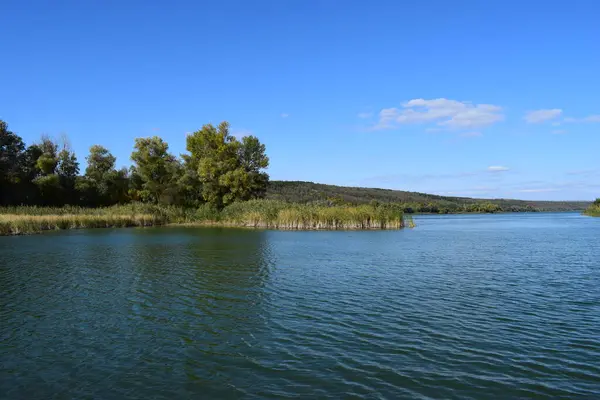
(102, 183)
(100, 162)
(594, 209)
(68, 166)
(412, 202)
(12, 156)
(156, 170)
(228, 169)
(48, 189)
(11, 153)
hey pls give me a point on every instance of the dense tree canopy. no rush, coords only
(12, 158)
(156, 170)
(218, 170)
(228, 169)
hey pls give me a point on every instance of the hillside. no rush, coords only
(304, 192)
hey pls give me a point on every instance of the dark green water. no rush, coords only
(465, 307)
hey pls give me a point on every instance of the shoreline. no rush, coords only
(28, 224)
(44, 228)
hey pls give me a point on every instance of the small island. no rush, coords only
(220, 181)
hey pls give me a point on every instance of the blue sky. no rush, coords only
(474, 98)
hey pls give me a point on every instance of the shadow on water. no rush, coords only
(130, 313)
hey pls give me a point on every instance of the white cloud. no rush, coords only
(559, 132)
(365, 115)
(471, 134)
(497, 168)
(451, 114)
(285, 115)
(538, 116)
(589, 118)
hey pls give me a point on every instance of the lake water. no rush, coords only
(465, 307)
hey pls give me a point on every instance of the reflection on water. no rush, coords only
(462, 307)
(90, 311)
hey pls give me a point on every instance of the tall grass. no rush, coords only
(168, 213)
(280, 215)
(271, 214)
(15, 224)
(593, 210)
(28, 219)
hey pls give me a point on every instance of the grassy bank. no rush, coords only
(594, 209)
(269, 214)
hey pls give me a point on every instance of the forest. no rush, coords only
(412, 202)
(218, 170)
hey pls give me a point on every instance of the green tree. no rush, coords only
(190, 186)
(254, 160)
(98, 187)
(214, 152)
(48, 160)
(157, 169)
(228, 169)
(47, 179)
(12, 151)
(99, 163)
(67, 170)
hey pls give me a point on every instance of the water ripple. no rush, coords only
(463, 307)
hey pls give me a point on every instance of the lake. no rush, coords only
(463, 306)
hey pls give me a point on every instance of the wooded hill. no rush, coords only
(306, 192)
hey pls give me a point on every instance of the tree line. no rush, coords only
(218, 169)
(413, 202)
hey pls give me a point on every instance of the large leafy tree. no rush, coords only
(47, 180)
(102, 183)
(156, 170)
(253, 160)
(99, 162)
(190, 186)
(228, 169)
(12, 151)
(214, 153)
(67, 170)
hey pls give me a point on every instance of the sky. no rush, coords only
(490, 99)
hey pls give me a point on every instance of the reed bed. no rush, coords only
(268, 214)
(16, 224)
(593, 210)
(280, 215)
